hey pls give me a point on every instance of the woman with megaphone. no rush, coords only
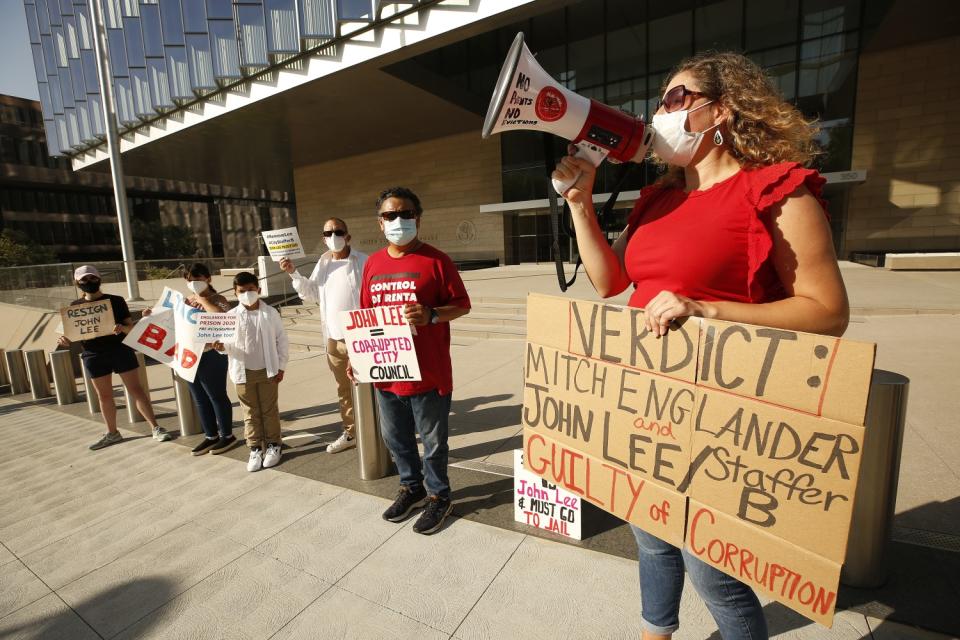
(736, 229)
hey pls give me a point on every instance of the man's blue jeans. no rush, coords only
(733, 605)
(209, 391)
(402, 418)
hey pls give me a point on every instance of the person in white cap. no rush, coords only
(335, 286)
(106, 355)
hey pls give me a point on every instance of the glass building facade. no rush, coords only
(165, 53)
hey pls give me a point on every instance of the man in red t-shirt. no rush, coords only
(425, 280)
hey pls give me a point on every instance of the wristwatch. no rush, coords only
(434, 316)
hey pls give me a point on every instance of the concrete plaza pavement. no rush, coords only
(143, 541)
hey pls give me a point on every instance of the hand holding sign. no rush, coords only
(88, 320)
(380, 344)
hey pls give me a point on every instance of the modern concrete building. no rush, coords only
(333, 100)
(72, 212)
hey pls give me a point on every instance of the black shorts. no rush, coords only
(118, 359)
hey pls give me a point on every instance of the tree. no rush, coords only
(152, 240)
(17, 249)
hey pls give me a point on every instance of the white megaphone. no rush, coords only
(526, 97)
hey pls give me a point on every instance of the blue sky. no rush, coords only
(16, 69)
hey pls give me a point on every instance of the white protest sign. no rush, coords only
(217, 327)
(155, 336)
(88, 320)
(187, 348)
(380, 344)
(283, 243)
(540, 504)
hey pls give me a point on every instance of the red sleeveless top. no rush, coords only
(712, 244)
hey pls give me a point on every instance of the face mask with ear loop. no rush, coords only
(672, 142)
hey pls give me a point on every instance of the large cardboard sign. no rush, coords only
(88, 320)
(538, 503)
(380, 344)
(169, 334)
(740, 442)
(283, 243)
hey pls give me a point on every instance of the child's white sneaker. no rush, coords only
(272, 457)
(255, 463)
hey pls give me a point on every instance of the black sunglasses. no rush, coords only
(406, 214)
(336, 232)
(674, 99)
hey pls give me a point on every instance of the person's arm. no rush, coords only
(212, 304)
(307, 288)
(805, 261)
(603, 264)
(283, 347)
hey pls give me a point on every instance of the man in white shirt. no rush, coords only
(335, 286)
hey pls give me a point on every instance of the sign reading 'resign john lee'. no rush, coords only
(740, 442)
(88, 320)
(380, 344)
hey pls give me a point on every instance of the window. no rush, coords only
(717, 25)
(671, 40)
(771, 23)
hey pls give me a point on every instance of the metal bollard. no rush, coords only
(37, 372)
(17, 369)
(876, 496)
(133, 414)
(4, 378)
(373, 453)
(93, 400)
(186, 411)
(64, 382)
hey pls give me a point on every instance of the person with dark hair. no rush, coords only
(209, 387)
(257, 362)
(106, 355)
(736, 230)
(335, 286)
(425, 281)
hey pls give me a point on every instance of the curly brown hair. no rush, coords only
(762, 127)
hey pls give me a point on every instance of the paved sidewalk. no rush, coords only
(143, 541)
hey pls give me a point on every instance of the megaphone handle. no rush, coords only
(587, 150)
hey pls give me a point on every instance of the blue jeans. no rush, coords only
(401, 419)
(209, 391)
(733, 605)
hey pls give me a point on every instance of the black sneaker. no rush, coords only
(224, 444)
(204, 446)
(407, 500)
(433, 515)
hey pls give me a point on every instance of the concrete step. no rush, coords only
(483, 300)
(484, 318)
(298, 311)
(307, 323)
(306, 348)
(489, 332)
(306, 338)
(512, 308)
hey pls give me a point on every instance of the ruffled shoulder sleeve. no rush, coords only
(767, 188)
(648, 195)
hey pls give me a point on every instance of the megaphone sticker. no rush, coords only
(551, 105)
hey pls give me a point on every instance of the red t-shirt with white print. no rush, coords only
(428, 276)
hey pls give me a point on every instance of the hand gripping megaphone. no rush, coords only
(526, 97)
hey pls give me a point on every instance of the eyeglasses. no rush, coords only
(406, 214)
(336, 232)
(675, 98)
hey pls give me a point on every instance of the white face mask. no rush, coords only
(336, 243)
(672, 142)
(197, 286)
(400, 232)
(248, 297)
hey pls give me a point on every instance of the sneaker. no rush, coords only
(433, 515)
(272, 458)
(223, 444)
(205, 445)
(255, 463)
(342, 443)
(161, 435)
(407, 500)
(106, 440)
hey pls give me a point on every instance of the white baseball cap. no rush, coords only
(85, 270)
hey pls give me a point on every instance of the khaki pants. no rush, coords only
(261, 415)
(337, 359)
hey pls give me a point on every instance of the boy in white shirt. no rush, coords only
(257, 361)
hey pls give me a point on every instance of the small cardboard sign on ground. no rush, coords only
(380, 344)
(540, 504)
(283, 243)
(217, 327)
(741, 443)
(88, 320)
